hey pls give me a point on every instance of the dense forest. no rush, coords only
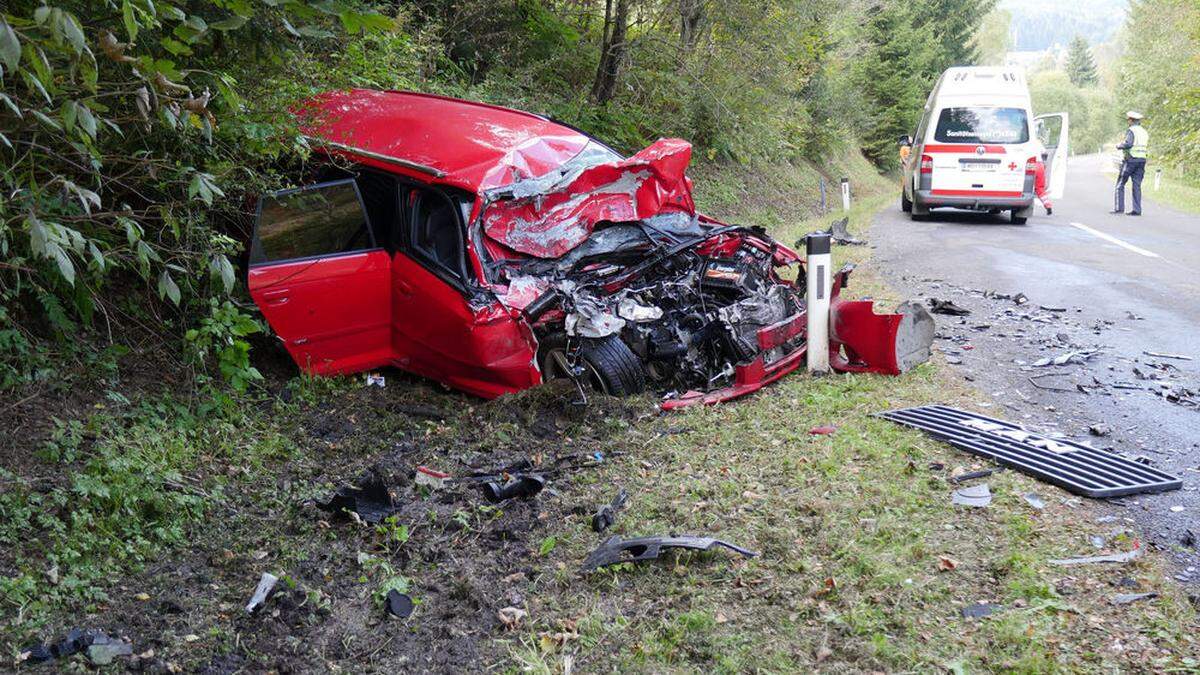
(136, 134)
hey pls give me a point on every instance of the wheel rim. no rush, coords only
(555, 367)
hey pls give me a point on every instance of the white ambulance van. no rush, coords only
(977, 144)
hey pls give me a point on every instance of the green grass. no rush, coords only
(1175, 191)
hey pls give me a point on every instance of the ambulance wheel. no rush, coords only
(1018, 220)
(609, 365)
(905, 204)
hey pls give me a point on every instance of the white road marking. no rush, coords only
(1111, 239)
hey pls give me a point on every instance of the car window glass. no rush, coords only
(313, 221)
(982, 125)
(436, 235)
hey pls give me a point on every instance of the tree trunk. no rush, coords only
(613, 50)
(691, 17)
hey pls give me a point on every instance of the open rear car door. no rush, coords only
(320, 279)
(1054, 131)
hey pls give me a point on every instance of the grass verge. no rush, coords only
(1174, 191)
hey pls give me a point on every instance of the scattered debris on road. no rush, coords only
(1160, 355)
(1074, 357)
(1075, 467)
(946, 307)
(607, 514)
(1101, 430)
(639, 549)
(265, 585)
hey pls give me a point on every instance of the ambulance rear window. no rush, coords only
(982, 125)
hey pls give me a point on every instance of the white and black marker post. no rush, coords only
(817, 262)
(1157, 180)
(845, 194)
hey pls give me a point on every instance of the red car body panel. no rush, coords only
(650, 183)
(344, 313)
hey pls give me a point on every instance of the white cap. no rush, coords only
(1134, 115)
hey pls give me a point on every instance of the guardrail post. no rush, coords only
(817, 265)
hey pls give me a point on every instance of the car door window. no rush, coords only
(437, 238)
(312, 221)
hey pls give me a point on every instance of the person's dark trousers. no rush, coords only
(1135, 170)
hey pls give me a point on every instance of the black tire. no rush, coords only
(905, 203)
(611, 366)
(1018, 220)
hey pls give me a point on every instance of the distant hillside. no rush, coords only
(1042, 24)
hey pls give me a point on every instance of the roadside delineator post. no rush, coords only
(1157, 179)
(817, 263)
(845, 194)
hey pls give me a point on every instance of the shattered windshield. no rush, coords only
(592, 154)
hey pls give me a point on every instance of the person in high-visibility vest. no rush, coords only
(1133, 166)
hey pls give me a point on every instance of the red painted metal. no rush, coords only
(552, 223)
(333, 314)
(351, 312)
(476, 146)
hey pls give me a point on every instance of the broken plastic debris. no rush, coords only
(980, 610)
(975, 495)
(370, 499)
(431, 478)
(105, 649)
(398, 604)
(1127, 598)
(607, 515)
(1110, 558)
(1160, 355)
(617, 550)
(265, 585)
(1034, 500)
(374, 380)
(78, 640)
(511, 616)
(524, 486)
(947, 307)
(825, 430)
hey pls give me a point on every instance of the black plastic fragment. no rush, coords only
(1072, 466)
(524, 486)
(78, 640)
(398, 604)
(370, 499)
(617, 550)
(607, 515)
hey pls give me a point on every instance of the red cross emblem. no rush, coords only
(1012, 166)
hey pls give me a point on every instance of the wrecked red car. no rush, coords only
(492, 249)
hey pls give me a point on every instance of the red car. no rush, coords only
(492, 249)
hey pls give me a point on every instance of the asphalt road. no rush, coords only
(1094, 281)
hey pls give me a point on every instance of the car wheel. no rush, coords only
(905, 203)
(609, 366)
(1018, 220)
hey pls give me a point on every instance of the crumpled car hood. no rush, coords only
(547, 218)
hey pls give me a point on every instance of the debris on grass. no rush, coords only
(962, 478)
(523, 486)
(1034, 500)
(376, 380)
(511, 617)
(370, 500)
(265, 585)
(607, 515)
(977, 496)
(1128, 598)
(980, 610)
(947, 564)
(1123, 557)
(399, 605)
(100, 647)
(430, 478)
(639, 549)
(825, 430)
